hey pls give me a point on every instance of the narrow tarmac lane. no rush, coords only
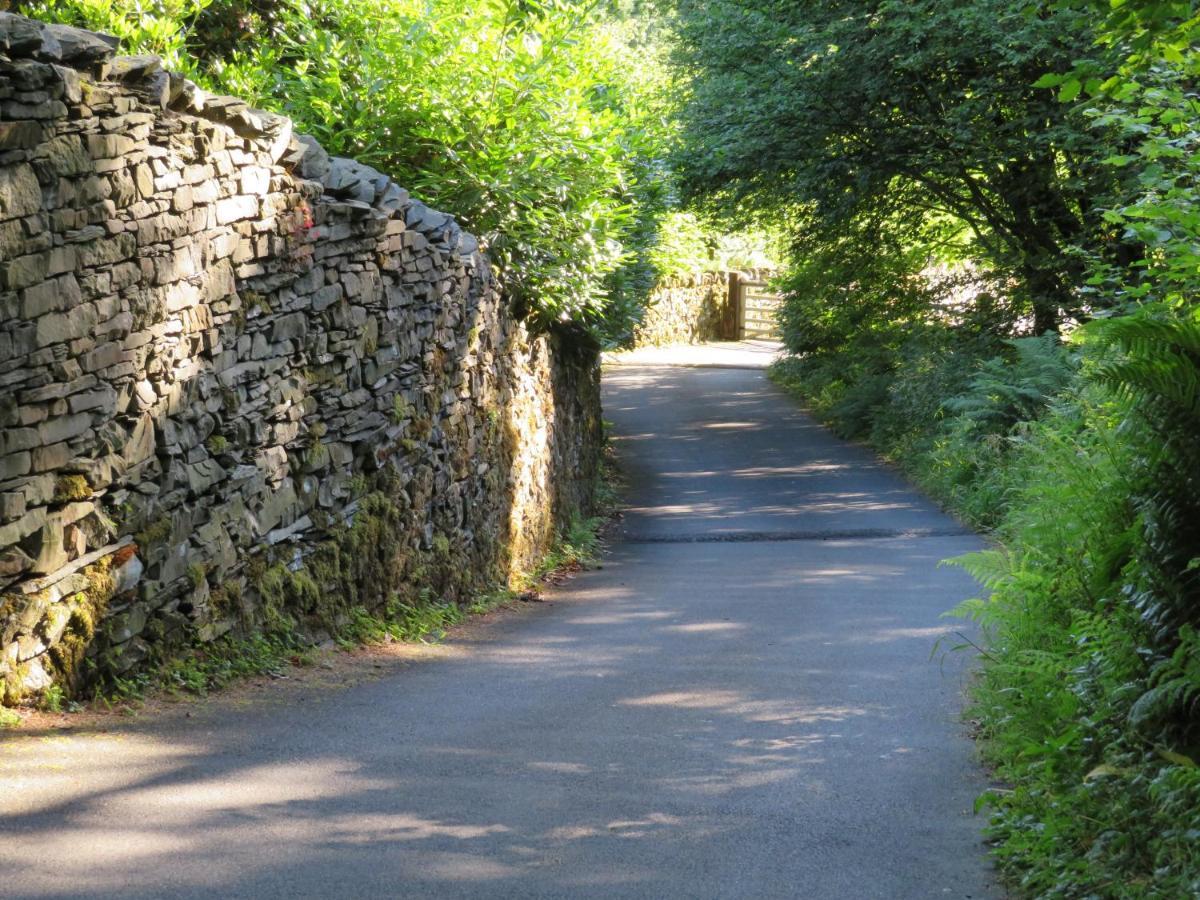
(741, 703)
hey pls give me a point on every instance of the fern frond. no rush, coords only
(991, 568)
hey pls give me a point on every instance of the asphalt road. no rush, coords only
(741, 703)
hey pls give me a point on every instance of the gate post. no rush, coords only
(732, 324)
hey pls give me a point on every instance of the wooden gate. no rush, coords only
(755, 307)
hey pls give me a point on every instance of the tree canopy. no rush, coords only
(923, 115)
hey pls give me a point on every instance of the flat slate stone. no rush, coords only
(79, 46)
(19, 36)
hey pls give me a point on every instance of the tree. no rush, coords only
(921, 111)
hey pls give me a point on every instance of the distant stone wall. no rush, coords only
(243, 385)
(692, 309)
(688, 309)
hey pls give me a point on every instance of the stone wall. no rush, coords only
(687, 309)
(692, 309)
(243, 385)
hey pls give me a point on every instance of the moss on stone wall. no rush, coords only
(68, 655)
(71, 487)
(65, 626)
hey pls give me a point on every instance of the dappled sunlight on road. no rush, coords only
(453, 867)
(688, 699)
(577, 658)
(706, 628)
(706, 455)
(721, 784)
(732, 703)
(220, 825)
(257, 787)
(755, 353)
(862, 574)
(619, 618)
(775, 471)
(755, 723)
(33, 772)
(561, 768)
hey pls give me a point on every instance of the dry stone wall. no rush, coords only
(243, 385)
(692, 309)
(687, 309)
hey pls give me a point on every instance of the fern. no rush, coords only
(1157, 373)
(1007, 391)
(1175, 685)
(991, 568)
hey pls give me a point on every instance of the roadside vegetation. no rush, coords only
(994, 272)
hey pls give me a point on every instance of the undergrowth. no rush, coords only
(426, 621)
(949, 409)
(211, 666)
(429, 619)
(578, 547)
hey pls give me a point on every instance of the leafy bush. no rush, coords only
(939, 406)
(1006, 391)
(161, 27)
(1090, 690)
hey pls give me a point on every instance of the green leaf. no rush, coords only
(1104, 770)
(1178, 758)
(1070, 90)
(1049, 80)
